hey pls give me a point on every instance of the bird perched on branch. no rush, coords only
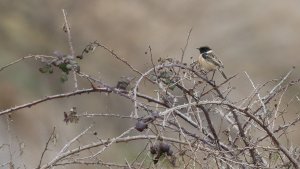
(209, 61)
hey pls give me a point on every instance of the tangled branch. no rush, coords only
(189, 119)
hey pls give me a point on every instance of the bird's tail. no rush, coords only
(223, 74)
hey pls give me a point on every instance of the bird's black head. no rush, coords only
(204, 49)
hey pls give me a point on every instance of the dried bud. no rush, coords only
(71, 116)
(170, 152)
(155, 160)
(153, 149)
(122, 85)
(141, 126)
(79, 56)
(77, 68)
(164, 147)
(66, 28)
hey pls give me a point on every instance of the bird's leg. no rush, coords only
(205, 73)
(212, 77)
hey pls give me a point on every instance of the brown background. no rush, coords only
(259, 37)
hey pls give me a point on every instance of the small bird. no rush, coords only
(209, 61)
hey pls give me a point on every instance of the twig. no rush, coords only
(92, 115)
(278, 85)
(258, 95)
(152, 62)
(92, 163)
(16, 61)
(186, 44)
(46, 147)
(271, 135)
(47, 98)
(111, 142)
(68, 30)
(106, 142)
(117, 57)
(23, 58)
(60, 155)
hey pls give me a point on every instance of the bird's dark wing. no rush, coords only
(210, 57)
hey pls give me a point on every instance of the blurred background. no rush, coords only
(259, 37)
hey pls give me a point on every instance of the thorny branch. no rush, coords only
(179, 119)
(46, 147)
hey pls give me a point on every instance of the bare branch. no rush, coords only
(46, 147)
